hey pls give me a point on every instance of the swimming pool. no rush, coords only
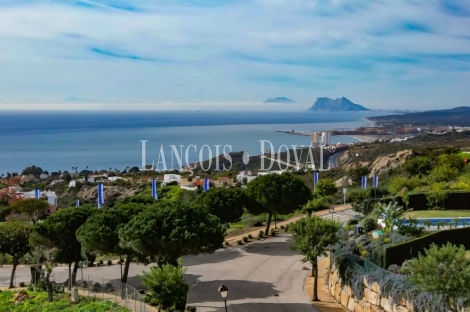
(463, 221)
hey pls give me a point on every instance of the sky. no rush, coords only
(191, 54)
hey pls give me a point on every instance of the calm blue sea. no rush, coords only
(102, 140)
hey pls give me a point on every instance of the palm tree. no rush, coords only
(427, 223)
(391, 215)
(456, 222)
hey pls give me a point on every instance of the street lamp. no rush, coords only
(223, 290)
(332, 210)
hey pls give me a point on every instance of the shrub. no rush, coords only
(101, 262)
(369, 224)
(352, 221)
(191, 309)
(119, 261)
(273, 232)
(142, 291)
(227, 243)
(110, 262)
(260, 234)
(22, 284)
(245, 239)
(286, 228)
(250, 236)
(240, 242)
(282, 227)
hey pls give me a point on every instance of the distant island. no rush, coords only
(458, 116)
(338, 105)
(282, 100)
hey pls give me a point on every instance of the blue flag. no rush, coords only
(100, 194)
(154, 189)
(364, 182)
(376, 181)
(37, 193)
(77, 203)
(315, 178)
(206, 184)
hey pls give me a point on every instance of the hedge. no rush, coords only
(456, 200)
(399, 253)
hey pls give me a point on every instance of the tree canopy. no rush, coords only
(225, 203)
(276, 194)
(313, 236)
(326, 187)
(171, 230)
(31, 206)
(59, 231)
(100, 234)
(418, 165)
(14, 240)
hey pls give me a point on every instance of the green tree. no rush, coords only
(357, 173)
(391, 215)
(442, 173)
(166, 284)
(437, 195)
(172, 230)
(5, 210)
(36, 171)
(313, 236)
(397, 184)
(326, 187)
(14, 241)
(276, 194)
(100, 234)
(225, 203)
(444, 270)
(31, 207)
(59, 231)
(451, 160)
(418, 166)
(357, 199)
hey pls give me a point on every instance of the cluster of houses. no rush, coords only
(13, 194)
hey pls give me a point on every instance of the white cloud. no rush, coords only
(252, 50)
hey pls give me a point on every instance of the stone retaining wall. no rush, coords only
(372, 300)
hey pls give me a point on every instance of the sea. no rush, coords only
(60, 140)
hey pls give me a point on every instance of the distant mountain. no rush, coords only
(338, 105)
(282, 100)
(458, 116)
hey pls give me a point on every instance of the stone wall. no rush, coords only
(372, 300)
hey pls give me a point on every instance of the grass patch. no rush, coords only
(38, 303)
(438, 214)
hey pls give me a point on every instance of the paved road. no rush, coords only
(262, 276)
(335, 157)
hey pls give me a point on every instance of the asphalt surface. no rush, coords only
(261, 276)
(335, 157)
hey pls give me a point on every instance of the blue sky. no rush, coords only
(194, 54)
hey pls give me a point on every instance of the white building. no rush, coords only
(167, 178)
(73, 183)
(326, 138)
(51, 196)
(113, 179)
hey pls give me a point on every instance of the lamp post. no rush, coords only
(223, 290)
(332, 210)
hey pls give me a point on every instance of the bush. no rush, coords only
(240, 242)
(245, 239)
(110, 262)
(190, 309)
(352, 221)
(250, 236)
(286, 228)
(227, 243)
(282, 227)
(273, 232)
(101, 262)
(368, 224)
(142, 291)
(22, 284)
(260, 234)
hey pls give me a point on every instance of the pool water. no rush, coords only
(461, 221)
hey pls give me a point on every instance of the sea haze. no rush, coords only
(102, 140)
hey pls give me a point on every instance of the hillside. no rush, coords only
(338, 105)
(458, 116)
(280, 100)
